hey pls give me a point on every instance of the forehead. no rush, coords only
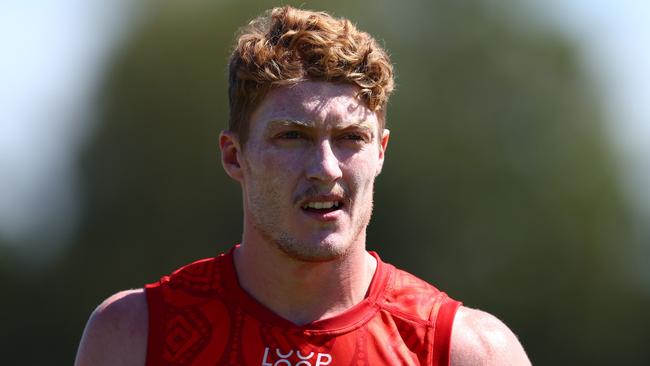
(323, 104)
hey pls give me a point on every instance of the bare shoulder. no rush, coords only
(116, 333)
(479, 338)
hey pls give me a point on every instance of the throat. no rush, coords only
(306, 292)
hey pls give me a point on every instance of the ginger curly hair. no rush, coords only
(286, 45)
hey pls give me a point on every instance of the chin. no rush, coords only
(325, 250)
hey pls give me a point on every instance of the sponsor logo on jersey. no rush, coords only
(283, 358)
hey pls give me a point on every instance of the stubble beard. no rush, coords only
(323, 251)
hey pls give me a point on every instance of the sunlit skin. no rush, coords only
(311, 142)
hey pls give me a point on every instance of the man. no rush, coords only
(306, 140)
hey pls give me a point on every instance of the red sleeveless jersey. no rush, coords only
(201, 316)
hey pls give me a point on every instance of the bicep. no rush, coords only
(116, 333)
(479, 338)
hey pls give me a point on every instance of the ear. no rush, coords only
(383, 144)
(230, 154)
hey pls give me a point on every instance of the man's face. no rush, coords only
(308, 169)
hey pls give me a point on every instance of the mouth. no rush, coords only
(322, 207)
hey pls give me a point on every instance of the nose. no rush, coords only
(324, 165)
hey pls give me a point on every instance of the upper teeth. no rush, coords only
(321, 205)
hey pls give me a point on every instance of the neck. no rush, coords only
(303, 292)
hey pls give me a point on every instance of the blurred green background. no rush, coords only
(501, 184)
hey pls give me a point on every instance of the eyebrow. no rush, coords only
(303, 124)
(289, 123)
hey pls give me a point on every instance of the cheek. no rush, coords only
(279, 159)
(361, 171)
(273, 170)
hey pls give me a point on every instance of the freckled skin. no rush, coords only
(335, 148)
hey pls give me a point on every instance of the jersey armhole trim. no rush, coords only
(444, 321)
(156, 324)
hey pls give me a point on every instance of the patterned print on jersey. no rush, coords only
(199, 315)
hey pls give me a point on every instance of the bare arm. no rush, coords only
(116, 333)
(479, 338)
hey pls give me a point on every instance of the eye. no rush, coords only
(291, 135)
(354, 137)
